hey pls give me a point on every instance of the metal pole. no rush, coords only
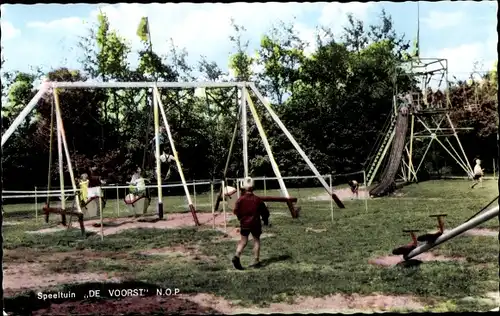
(265, 186)
(66, 151)
(194, 193)
(212, 203)
(36, 206)
(59, 151)
(101, 211)
(366, 189)
(235, 133)
(410, 154)
(244, 132)
(486, 216)
(454, 150)
(24, 113)
(289, 136)
(456, 160)
(117, 202)
(145, 84)
(224, 205)
(238, 194)
(494, 170)
(174, 150)
(425, 154)
(157, 155)
(269, 151)
(459, 143)
(433, 135)
(331, 200)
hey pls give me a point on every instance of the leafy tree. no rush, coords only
(281, 53)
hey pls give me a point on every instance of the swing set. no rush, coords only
(246, 105)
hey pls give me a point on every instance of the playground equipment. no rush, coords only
(432, 240)
(75, 209)
(158, 109)
(432, 115)
(245, 104)
(398, 135)
(431, 237)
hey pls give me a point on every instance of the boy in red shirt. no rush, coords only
(249, 209)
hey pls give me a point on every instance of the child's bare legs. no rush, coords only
(256, 249)
(239, 249)
(241, 245)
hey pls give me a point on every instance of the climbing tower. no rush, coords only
(429, 121)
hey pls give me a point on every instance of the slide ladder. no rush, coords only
(383, 145)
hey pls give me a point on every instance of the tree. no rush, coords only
(240, 62)
(281, 53)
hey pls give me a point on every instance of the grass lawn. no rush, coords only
(312, 256)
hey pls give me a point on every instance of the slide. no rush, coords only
(386, 184)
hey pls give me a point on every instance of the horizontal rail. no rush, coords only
(145, 84)
(108, 187)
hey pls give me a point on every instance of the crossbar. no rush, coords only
(145, 84)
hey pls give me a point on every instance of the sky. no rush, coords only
(46, 35)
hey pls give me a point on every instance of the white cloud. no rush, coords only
(61, 24)
(462, 58)
(334, 15)
(204, 29)
(8, 30)
(439, 20)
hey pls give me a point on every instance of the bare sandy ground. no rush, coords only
(115, 226)
(424, 257)
(343, 195)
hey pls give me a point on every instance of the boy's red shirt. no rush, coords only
(249, 209)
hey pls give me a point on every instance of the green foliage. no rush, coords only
(143, 29)
(333, 100)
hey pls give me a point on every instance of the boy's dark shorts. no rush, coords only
(477, 176)
(256, 232)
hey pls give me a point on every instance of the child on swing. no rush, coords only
(137, 183)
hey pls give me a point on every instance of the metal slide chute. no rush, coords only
(394, 160)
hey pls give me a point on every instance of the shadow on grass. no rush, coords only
(266, 262)
(412, 263)
(28, 302)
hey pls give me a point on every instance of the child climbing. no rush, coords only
(478, 174)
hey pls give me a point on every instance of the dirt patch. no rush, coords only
(190, 252)
(172, 221)
(343, 194)
(31, 276)
(329, 304)
(482, 232)
(129, 305)
(424, 257)
(309, 229)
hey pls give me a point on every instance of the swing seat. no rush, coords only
(138, 204)
(63, 212)
(91, 207)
